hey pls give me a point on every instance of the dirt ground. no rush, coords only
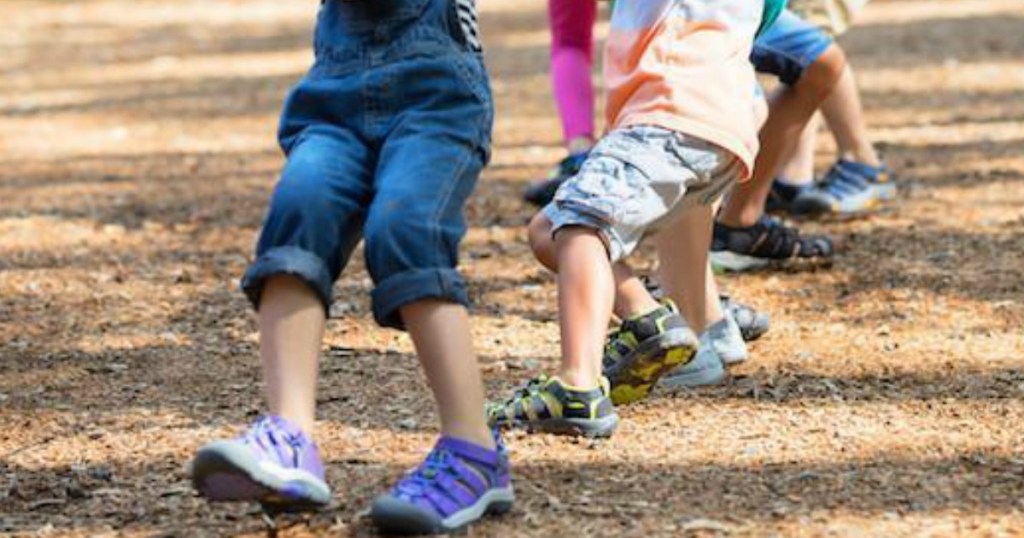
(136, 155)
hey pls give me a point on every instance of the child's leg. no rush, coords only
(845, 117)
(684, 271)
(860, 169)
(790, 110)
(577, 400)
(798, 166)
(311, 228)
(631, 296)
(680, 249)
(858, 180)
(572, 28)
(808, 64)
(291, 321)
(435, 142)
(412, 235)
(585, 297)
(572, 23)
(441, 333)
(426, 170)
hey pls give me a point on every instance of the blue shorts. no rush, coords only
(789, 47)
(385, 138)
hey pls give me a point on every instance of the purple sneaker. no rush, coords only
(273, 463)
(456, 485)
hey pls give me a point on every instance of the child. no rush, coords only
(681, 131)
(809, 65)
(572, 56)
(385, 139)
(571, 23)
(859, 180)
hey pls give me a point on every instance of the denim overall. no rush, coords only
(385, 139)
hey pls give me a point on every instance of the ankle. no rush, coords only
(742, 219)
(579, 145)
(709, 321)
(864, 155)
(793, 183)
(481, 437)
(302, 421)
(787, 190)
(580, 379)
(638, 308)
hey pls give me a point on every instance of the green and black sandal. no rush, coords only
(546, 404)
(643, 349)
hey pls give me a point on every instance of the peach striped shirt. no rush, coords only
(684, 65)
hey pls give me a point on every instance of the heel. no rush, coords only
(499, 508)
(503, 503)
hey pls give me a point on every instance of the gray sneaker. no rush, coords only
(725, 339)
(752, 324)
(720, 345)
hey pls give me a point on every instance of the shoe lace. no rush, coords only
(422, 478)
(263, 435)
(526, 392)
(532, 387)
(260, 430)
(841, 183)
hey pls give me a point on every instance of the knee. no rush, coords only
(382, 234)
(760, 111)
(822, 76)
(301, 189)
(539, 233)
(407, 239)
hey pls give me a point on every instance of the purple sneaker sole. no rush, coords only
(228, 472)
(395, 516)
(456, 485)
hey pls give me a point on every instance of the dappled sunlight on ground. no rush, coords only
(137, 151)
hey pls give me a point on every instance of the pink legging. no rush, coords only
(572, 55)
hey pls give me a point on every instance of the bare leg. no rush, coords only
(845, 117)
(685, 273)
(798, 167)
(585, 296)
(543, 245)
(631, 296)
(291, 319)
(440, 330)
(790, 110)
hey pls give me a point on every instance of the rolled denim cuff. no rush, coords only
(293, 261)
(414, 285)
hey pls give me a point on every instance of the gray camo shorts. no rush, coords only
(638, 179)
